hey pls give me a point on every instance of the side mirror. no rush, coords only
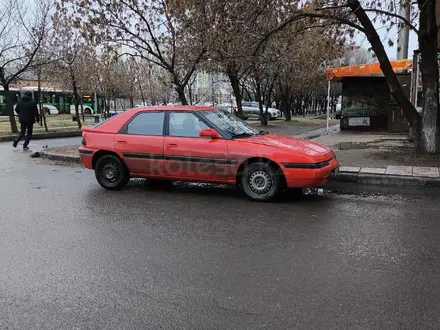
(210, 133)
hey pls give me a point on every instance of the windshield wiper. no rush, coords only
(240, 135)
(263, 133)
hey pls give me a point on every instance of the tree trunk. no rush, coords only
(40, 104)
(181, 92)
(76, 101)
(106, 107)
(277, 102)
(268, 97)
(190, 95)
(287, 111)
(235, 84)
(10, 108)
(315, 105)
(142, 92)
(430, 134)
(301, 104)
(284, 102)
(82, 107)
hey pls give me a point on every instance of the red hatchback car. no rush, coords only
(201, 144)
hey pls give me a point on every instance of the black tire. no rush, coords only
(87, 111)
(262, 182)
(111, 173)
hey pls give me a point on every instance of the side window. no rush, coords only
(185, 124)
(147, 123)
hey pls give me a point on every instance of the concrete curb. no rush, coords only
(47, 135)
(386, 180)
(60, 157)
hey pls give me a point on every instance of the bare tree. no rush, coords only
(42, 67)
(157, 30)
(76, 60)
(23, 27)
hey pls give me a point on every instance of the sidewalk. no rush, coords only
(376, 150)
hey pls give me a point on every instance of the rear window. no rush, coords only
(106, 120)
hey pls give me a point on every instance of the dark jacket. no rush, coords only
(27, 110)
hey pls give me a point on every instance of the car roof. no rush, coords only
(115, 123)
(172, 108)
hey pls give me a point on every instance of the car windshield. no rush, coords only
(230, 124)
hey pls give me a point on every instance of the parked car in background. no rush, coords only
(252, 108)
(48, 109)
(146, 104)
(201, 144)
(228, 107)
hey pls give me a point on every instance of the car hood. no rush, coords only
(287, 143)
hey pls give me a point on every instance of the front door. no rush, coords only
(191, 157)
(141, 144)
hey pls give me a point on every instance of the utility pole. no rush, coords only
(403, 30)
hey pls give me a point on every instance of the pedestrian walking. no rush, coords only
(27, 111)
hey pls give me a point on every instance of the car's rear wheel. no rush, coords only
(111, 173)
(262, 182)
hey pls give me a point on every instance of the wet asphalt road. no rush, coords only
(75, 256)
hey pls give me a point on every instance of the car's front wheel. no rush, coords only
(262, 182)
(111, 173)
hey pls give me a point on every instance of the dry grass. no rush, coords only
(53, 122)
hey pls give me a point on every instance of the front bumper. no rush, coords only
(311, 177)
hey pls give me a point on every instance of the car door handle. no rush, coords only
(172, 145)
(121, 141)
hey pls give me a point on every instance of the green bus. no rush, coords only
(53, 101)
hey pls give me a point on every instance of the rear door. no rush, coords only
(141, 142)
(191, 157)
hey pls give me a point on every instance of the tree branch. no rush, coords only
(297, 17)
(403, 19)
